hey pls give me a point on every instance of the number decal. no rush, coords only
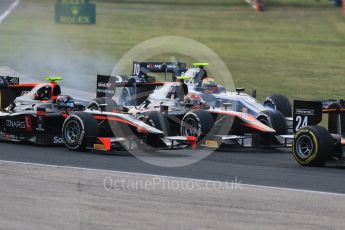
(302, 121)
(136, 69)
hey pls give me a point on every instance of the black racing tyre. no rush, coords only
(95, 104)
(197, 123)
(313, 146)
(275, 120)
(279, 102)
(76, 128)
(158, 121)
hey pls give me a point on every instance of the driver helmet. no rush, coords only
(210, 84)
(195, 100)
(65, 101)
(43, 93)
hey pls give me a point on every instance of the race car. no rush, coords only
(11, 89)
(200, 83)
(44, 117)
(170, 109)
(314, 144)
(135, 96)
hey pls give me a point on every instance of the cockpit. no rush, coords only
(42, 92)
(171, 94)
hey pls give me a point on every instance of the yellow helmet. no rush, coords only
(208, 82)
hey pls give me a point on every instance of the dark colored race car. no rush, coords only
(11, 89)
(42, 116)
(166, 109)
(198, 83)
(194, 78)
(314, 144)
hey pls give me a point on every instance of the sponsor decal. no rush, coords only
(57, 140)
(28, 123)
(106, 91)
(75, 12)
(305, 112)
(40, 124)
(15, 124)
(160, 66)
(7, 136)
(104, 84)
(100, 147)
(9, 80)
(24, 92)
(14, 80)
(211, 144)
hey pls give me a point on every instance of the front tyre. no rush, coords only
(158, 121)
(275, 120)
(279, 102)
(76, 128)
(313, 146)
(197, 123)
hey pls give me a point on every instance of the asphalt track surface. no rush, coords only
(275, 168)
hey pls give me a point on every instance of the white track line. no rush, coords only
(9, 10)
(177, 178)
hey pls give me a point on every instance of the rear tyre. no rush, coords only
(95, 104)
(275, 120)
(313, 146)
(158, 121)
(197, 123)
(76, 128)
(279, 102)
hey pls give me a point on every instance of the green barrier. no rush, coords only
(75, 12)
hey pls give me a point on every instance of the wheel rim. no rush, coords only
(125, 98)
(93, 107)
(190, 128)
(304, 146)
(72, 132)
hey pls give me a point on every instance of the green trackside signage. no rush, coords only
(75, 12)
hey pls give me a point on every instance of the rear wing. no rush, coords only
(143, 68)
(8, 93)
(307, 113)
(7, 80)
(106, 85)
